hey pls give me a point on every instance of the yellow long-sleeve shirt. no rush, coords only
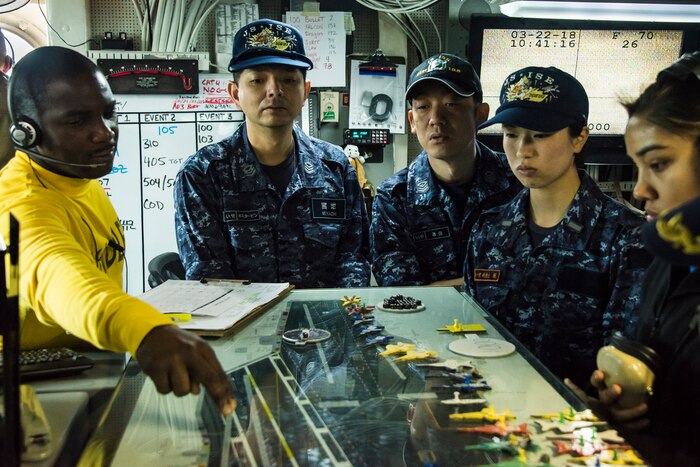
(70, 270)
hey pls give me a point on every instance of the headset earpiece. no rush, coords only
(24, 133)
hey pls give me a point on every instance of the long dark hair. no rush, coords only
(672, 102)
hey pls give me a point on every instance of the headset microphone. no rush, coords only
(58, 161)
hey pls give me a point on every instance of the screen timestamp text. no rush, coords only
(543, 39)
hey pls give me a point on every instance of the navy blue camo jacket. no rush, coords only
(417, 235)
(564, 298)
(232, 223)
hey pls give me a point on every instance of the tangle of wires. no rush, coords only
(400, 12)
(171, 25)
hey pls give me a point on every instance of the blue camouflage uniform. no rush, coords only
(231, 222)
(418, 236)
(565, 297)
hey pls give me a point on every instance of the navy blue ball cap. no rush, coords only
(675, 235)
(451, 70)
(266, 42)
(541, 99)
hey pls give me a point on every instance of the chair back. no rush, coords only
(163, 267)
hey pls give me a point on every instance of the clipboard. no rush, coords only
(217, 307)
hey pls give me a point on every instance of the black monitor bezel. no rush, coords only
(600, 149)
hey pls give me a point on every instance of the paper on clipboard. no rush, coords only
(216, 306)
(365, 87)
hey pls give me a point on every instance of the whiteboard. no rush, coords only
(156, 134)
(324, 41)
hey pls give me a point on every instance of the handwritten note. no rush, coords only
(324, 40)
(157, 133)
(216, 305)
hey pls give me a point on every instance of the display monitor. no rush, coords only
(612, 60)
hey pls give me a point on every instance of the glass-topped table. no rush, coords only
(336, 402)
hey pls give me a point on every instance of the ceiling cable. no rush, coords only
(172, 25)
(400, 12)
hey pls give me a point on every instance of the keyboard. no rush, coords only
(50, 363)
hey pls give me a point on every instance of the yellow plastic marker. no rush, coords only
(487, 414)
(180, 317)
(458, 327)
(571, 415)
(398, 348)
(416, 355)
(347, 301)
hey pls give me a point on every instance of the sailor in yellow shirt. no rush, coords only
(71, 241)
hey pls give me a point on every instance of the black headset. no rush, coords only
(687, 65)
(24, 132)
(388, 104)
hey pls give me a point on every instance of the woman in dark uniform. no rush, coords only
(663, 140)
(558, 266)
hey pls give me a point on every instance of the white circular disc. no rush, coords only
(482, 347)
(380, 306)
